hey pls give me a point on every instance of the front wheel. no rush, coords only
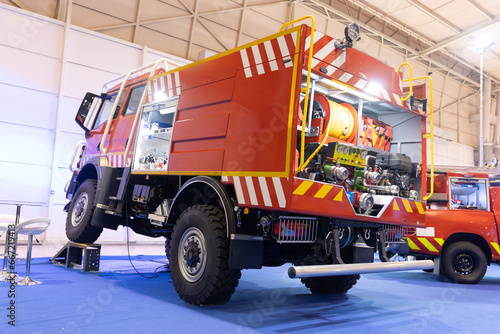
(78, 228)
(463, 262)
(199, 257)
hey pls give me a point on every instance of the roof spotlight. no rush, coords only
(351, 33)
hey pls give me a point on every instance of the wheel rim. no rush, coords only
(192, 254)
(79, 209)
(464, 263)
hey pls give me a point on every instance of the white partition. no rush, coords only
(37, 128)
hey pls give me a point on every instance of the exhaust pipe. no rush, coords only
(357, 268)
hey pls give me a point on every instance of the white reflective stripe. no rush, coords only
(224, 178)
(169, 84)
(397, 98)
(294, 40)
(177, 83)
(239, 191)
(321, 54)
(345, 77)
(258, 59)
(265, 191)
(385, 95)
(150, 91)
(317, 37)
(251, 191)
(162, 85)
(246, 63)
(271, 56)
(279, 192)
(284, 50)
(360, 84)
(340, 60)
(400, 83)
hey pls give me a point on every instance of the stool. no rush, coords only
(31, 227)
(5, 221)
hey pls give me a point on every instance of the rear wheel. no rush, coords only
(78, 228)
(463, 262)
(199, 256)
(330, 284)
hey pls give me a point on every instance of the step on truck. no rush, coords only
(461, 231)
(296, 148)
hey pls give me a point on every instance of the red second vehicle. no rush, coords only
(461, 232)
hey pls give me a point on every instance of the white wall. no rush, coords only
(40, 90)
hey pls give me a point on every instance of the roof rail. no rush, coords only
(124, 79)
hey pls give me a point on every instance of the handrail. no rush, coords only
(139, 110)
(104, 149)
(309, 65)
(81, 142)
(431, 123)
(411, 81)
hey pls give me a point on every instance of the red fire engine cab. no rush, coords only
(295, 148)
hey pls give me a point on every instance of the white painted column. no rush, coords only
(496, 136)
(488, 145)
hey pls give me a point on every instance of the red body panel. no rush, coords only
(237, 117)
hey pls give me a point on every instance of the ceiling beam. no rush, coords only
(190, 15)
(240, 25)
(401, 47)
(481, 9)
(463, 34)
(137, 21)
(434, 15)
(19, 4)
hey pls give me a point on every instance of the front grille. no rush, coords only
(296, 229)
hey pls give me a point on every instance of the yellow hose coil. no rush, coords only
(342, 121)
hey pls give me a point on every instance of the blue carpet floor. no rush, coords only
(118, 300)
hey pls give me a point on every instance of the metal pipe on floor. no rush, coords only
(357, 268)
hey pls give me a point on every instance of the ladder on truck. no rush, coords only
(116, 201)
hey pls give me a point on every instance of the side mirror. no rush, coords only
(88, 111)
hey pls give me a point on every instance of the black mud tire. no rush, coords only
(463, 262)
(199, 257)
(78, 228)
(330, 284)
(168, 242)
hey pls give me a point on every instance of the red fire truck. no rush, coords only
(295, 148)
(461, 232)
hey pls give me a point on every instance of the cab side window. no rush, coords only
(106, 107)
(134, 101)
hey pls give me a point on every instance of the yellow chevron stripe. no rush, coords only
(395, 206)
(427, 244)
(439, 241)
(407, 206)
(304, 186)
(420, 208)
(411, 244)
(338, 198)
(325, 189)
(495, 245)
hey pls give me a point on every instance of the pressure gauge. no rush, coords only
(346, 150)
(339, 149)
(363, 154)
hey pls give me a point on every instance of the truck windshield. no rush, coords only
(106, 108)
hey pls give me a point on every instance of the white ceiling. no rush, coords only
(436, 33)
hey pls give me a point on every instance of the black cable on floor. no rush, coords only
(128, 246)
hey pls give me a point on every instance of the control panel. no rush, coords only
(347, 154)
